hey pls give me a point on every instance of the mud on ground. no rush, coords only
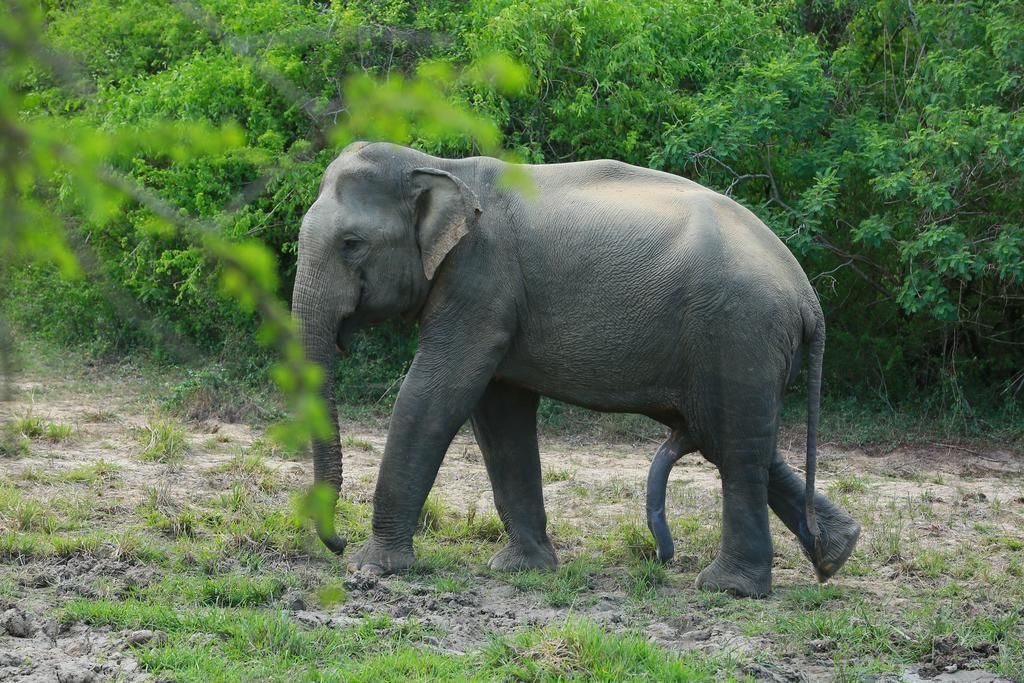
(934, 589)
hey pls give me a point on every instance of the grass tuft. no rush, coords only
(30, 426)
(553, 474)
(12, 444)
(250, 468)
(813, 597)
(101, 470)
(354, 442)
(241, 591)
(434, 515)
(644, 578)
(581, 650)
(571, 579)
(162, 441)
(56, 432)
(848, 483)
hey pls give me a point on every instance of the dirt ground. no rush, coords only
(942, 524)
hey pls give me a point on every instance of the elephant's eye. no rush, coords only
(350, 244)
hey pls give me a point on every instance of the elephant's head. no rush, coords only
(369, 248)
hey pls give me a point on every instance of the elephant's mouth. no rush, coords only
(344, 335)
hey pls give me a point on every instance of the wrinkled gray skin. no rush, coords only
(613, 287)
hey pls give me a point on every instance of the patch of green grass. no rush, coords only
(580, 650)
(1015, 567)
(434, 515)
(8, 588)
(697, 537)
(553, 474)
(813, 597)
(856, 630)
(847, 484)
(865, 634)
(215, 443)
(30, 426)
(525, 581)
(486, 528)
(249, 467)
(643, 579)
(131, 546)
(618, 490)
(20, 546)
(860, 420)
(637, 541)
(101, 470)
(57, 432)
(219, 392)
(26, 514)
(240, 591)
(930, 562)
(162, 441)
(265, 448)
(234, 499)
(562, 587)
(357, 443)
(444, 524)
(886, 538)
(253, 644)
(243, 463)
(629, 540)
(1008, 542)
(162, 513)
(86, 544)
(570, 581)
(12, 443)
(434, 557)
(264, 530)
(451, 584)
(247, 644)
(175, 524)
(564, 534)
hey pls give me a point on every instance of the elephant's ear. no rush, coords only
(446, 209)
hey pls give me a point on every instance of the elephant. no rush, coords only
(606, 285)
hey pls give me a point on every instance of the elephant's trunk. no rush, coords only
(320, 302)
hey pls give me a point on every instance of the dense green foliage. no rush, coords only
(881, 139)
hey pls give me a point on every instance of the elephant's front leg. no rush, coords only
(442, 387)
(505, 423)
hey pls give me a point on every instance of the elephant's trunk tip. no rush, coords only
(335, 543)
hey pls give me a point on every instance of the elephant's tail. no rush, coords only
(815, 353)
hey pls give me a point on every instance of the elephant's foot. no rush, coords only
(839, 534)
(516, 557)
(375, 558)
(717, 576)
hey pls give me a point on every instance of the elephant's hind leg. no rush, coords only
(505, 424)
(744, 563)
(677, 445)
(839, 531)
(742, 449)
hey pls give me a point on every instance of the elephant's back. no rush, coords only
(631, 277)
(600, 212)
